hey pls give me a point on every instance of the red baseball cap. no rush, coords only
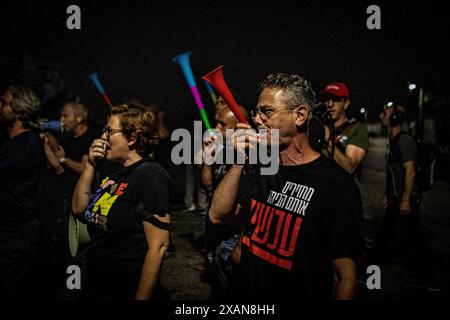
(338, 89)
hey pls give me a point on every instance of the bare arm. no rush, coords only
(158, 242)
(223, 204)
(410, 173)
(53, 159)
(344, 271)
(80, 198)
(76, 166)
(206, 177)
(351, 159)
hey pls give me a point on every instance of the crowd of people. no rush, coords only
(298, 231)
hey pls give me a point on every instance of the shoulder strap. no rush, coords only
(346, 126)
(403, 133)
(394, 142)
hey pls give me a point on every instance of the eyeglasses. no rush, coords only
(109, 132)
(333, 98)
(266, 113)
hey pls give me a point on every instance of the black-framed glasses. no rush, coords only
(332, 98)
(266, 113)
(109, 132)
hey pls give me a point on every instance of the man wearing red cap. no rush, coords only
(351, 139)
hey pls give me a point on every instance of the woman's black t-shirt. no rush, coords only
(296, 222)
(118, 247)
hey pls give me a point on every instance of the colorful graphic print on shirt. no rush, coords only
(104, 198)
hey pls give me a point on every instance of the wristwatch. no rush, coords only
(62, 160)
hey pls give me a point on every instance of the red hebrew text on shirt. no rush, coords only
(276, 224)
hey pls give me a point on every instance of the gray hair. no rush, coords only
(297, 90)
(25, 104)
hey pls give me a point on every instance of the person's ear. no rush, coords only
(301, 115)
(132, 141)
(346, 103)
(79, 119)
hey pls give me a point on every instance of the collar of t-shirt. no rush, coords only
(126, 170)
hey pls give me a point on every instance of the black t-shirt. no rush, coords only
(75, 148)
(401, 148)
(22, 167)
(119, 245)
(296, 222)
(3, 136)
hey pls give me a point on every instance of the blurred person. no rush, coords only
(219, 106)
(22, 167)
(67, 155)
(195, 196)
(351, 139)
(74, 143)
(51, 261)
(162, 152)
(401, 234)
(221, 240)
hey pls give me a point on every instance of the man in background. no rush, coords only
(351, 139)
(22, 168)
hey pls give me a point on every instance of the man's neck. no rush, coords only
(393, 131)
(339, 122)
(15, 129)
(298, 152)
(79, 130)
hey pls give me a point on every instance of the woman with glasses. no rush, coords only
(128, 214)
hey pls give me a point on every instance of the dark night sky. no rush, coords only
(131, 43)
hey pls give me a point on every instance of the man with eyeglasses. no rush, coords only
(351, 139)
(302, 227)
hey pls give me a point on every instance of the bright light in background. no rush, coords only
(363, 110)
(412, 86)
(390, 104)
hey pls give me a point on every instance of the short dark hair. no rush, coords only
(139, 121)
